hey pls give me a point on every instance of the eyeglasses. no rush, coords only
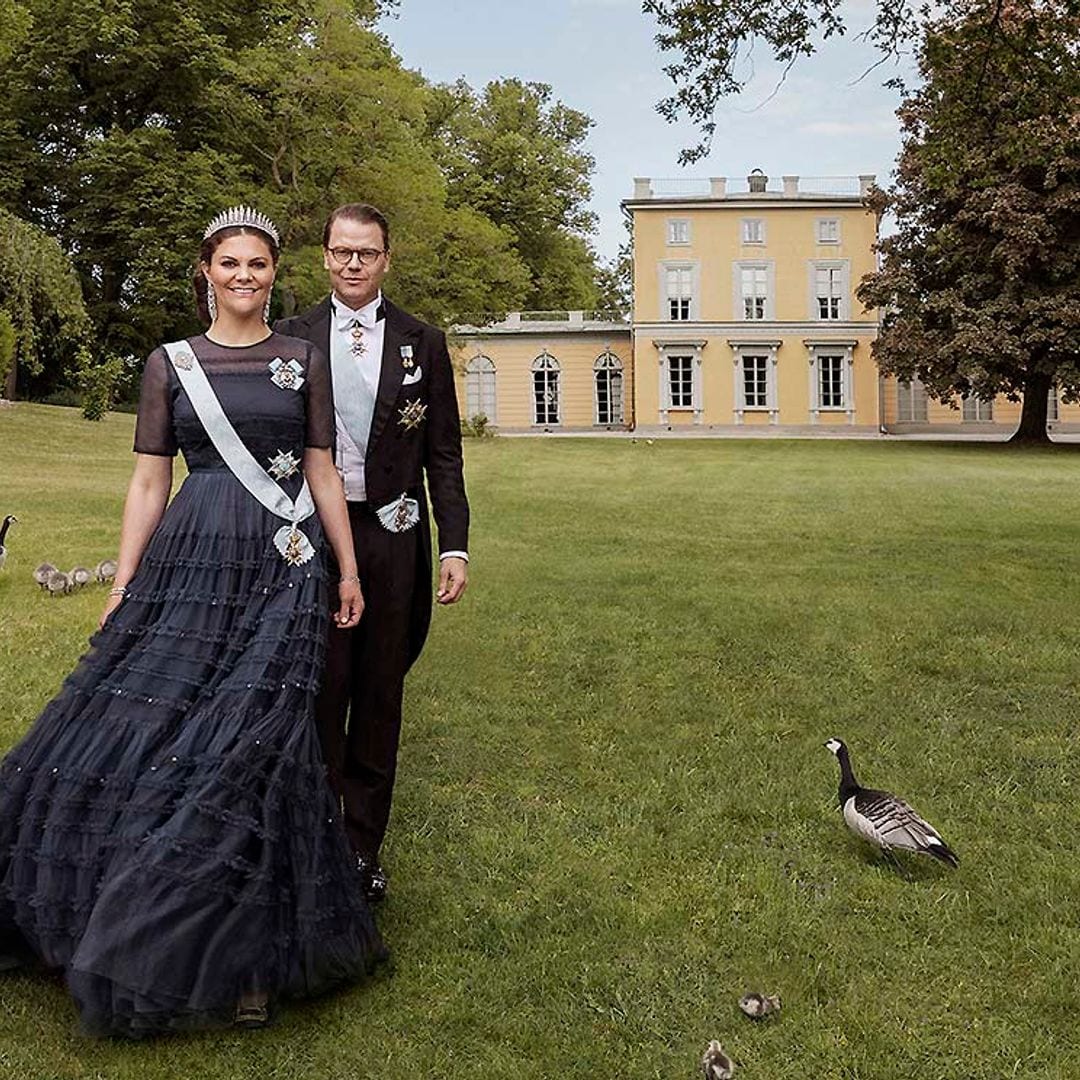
(367, 256)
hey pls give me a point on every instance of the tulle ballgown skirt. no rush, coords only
(167, 834)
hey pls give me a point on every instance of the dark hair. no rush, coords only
(364, 213)
(206, 255)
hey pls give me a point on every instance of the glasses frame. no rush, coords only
(366, 256)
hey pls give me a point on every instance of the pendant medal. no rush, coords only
(412, 415)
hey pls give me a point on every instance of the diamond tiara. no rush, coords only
(242, 216)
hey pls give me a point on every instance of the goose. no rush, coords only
(757, 1006)
(79, 576)
(716, 1065)
(41, 574)
(884, 819)
(10, 520)
(105, 570)
(57, 583)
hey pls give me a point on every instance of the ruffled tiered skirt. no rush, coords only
(167, 834)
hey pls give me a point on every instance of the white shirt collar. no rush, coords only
(366, 314)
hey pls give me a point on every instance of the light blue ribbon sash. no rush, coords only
(353, 400)
(294, 546)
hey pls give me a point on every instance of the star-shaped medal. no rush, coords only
(412, 415)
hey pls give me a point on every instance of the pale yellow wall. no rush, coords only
(939, 416)
(513, 355)
(716, 242)
(793, 384)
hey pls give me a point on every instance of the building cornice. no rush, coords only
(762, 330)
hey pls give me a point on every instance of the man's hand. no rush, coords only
(351, 604)
(453, 577)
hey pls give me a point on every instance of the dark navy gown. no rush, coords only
(167, 834)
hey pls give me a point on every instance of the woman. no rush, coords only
(167, 835)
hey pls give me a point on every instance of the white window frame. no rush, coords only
(977, 410)
(741, 350)
(678, 232)
(1053, 406)
(843, 281)
(846, 351)
(752, 231)
(825, 225)
(682, 400)
(693, 307)
(479, 387)
(666, 350)
(547, 366)
(916, 403)
(738, 306)
(609, 368)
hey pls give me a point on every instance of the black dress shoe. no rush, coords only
(372, 878)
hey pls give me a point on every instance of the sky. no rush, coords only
(828, 118)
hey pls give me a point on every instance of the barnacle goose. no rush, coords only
(10, 520)
(883, 819)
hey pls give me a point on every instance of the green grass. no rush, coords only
(615, 812)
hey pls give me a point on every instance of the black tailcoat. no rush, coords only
(399, 457)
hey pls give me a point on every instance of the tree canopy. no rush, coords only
(980, 284)
(125, 127)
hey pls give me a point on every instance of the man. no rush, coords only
(397, 423)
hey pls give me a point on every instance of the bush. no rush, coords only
(97, 381)
(477, 427)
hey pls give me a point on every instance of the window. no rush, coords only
(828, 230)
(978, 409)
(678, 231)
(755, 382)
(1053, 414)
(681, 381)
(608, 380)
(679, 287)
(830, 381)
(911, 402)
(754, 283)
(829, 291)
(545, 369)
(480, 388)
(753, 231)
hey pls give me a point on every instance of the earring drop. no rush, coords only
(211, 301)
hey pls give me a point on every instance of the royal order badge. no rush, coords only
(412, 415)
(184, 361)
(288, 374)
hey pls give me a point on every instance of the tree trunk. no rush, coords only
(1032, 429)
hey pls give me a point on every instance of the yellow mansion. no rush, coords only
(744, 316)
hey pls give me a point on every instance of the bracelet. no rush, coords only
(118, 590)
(350, 577)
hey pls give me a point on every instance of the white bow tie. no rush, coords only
(345, 318)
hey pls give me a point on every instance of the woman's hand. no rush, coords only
(114, 601)
(352, 603)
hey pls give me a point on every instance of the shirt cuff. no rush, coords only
(453, 555)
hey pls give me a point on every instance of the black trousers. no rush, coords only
(358, 711)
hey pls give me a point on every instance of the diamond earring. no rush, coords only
(211, 301)
(266, 306)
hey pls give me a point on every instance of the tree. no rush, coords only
(40, 300)
(713, 39)
(518, 157)
(980, 284)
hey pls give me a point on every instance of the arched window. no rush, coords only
(545, 373)
(608, 386)
(480, 388)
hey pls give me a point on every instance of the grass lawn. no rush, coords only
(615, 813)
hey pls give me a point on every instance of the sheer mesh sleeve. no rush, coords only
(319, 429)
(154, 432)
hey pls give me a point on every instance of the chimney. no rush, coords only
(791, 187)
(757, 181)
(642, 187)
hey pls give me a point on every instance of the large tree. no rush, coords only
(124, 127)
(518, 157)
(41, 305)
(980, 284)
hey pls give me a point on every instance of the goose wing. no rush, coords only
(890, 822)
